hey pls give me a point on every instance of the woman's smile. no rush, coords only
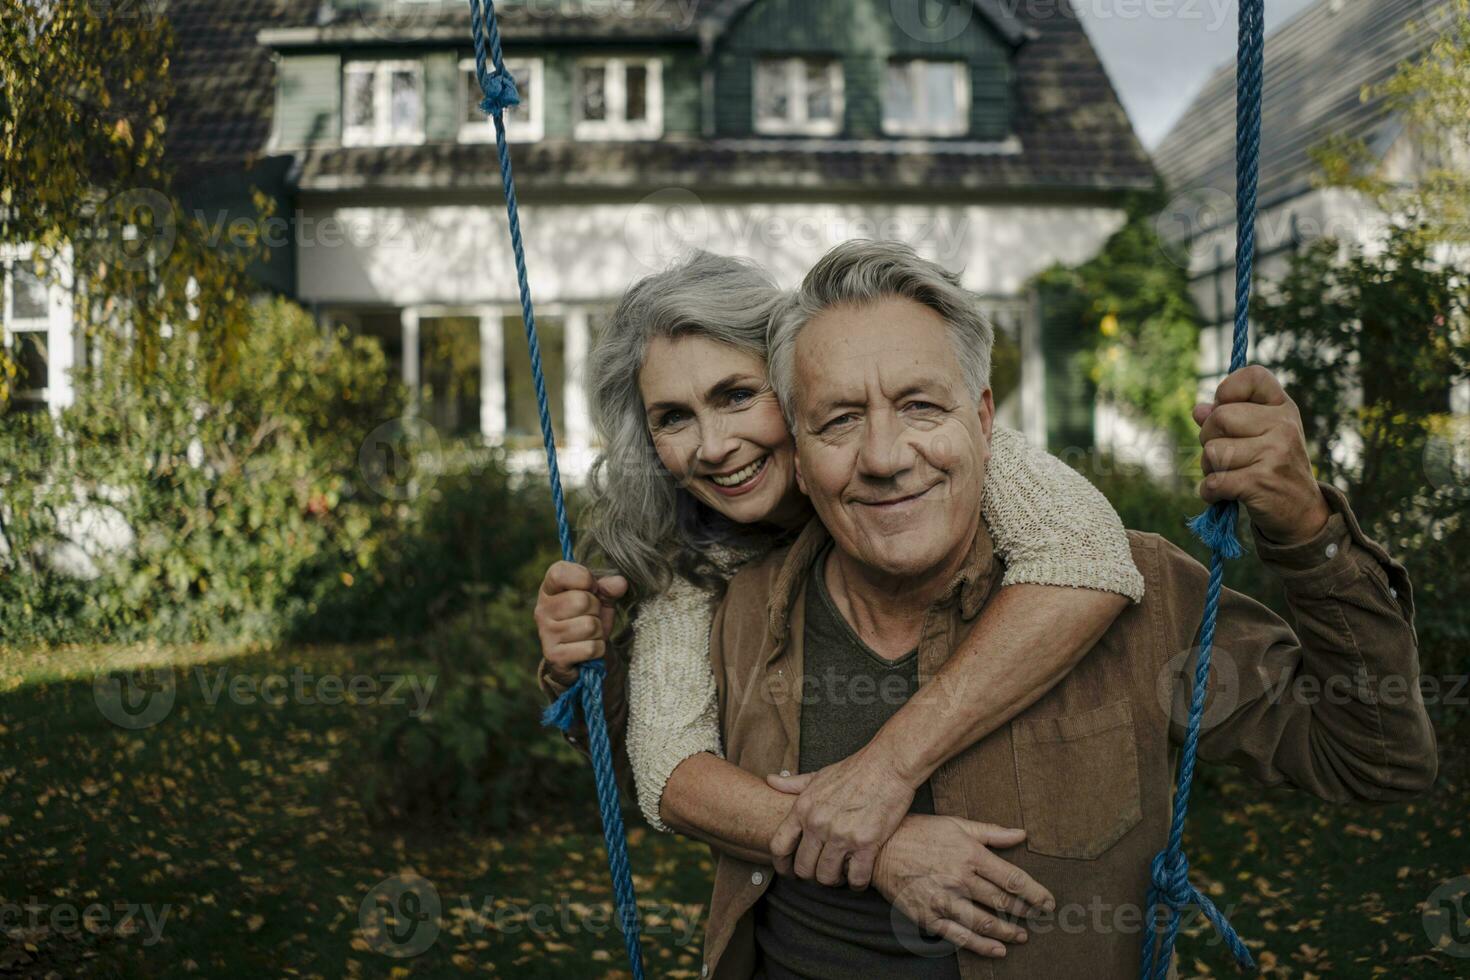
(740, 481)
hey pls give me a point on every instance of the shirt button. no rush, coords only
(1393, 592)
(704, 970)
(1332, 550)
(785, 772)
(757, 878)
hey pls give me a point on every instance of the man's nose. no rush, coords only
(885, 449)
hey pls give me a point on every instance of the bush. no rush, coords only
(479, 755)
(464, 538)
(224, 497)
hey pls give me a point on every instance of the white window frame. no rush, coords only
(921, 126)
(380, 131)
(616, 126)
(10, 326)
(519, 126)
(796, 99)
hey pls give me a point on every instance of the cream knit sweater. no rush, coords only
(1049, 525)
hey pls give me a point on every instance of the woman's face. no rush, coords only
(718, 428)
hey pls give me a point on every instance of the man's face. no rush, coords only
(890, 445)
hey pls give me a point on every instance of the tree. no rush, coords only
(1374, 343)
(84, 181)
(1141, 324)
(1431, 94)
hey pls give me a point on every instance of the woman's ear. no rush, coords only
(800, 482)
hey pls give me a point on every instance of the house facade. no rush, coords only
(985, 134)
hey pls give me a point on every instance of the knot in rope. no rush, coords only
(500, 92)
(1170, 876)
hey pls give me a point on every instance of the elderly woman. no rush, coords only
(697, 475)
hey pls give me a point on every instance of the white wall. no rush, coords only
(459, 254)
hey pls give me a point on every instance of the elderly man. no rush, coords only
(881, 363)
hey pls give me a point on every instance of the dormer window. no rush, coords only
(619, 99)
(382, 103)
(927, 98)
(801, 96)
(523, 123)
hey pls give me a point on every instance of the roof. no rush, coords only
(1070, 130)
(1315, 68)
(1001, 15)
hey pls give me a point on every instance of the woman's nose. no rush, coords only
(715, 443)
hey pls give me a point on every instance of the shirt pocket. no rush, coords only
(1078, 779)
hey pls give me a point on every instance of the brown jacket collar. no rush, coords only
(972, 580)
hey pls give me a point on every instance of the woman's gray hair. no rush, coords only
(862, 272)
(639, 520)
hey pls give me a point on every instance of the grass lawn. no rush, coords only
(225, 839)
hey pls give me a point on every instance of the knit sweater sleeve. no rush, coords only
(673, 710)
(1050, 525)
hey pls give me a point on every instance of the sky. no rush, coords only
(1159, 52)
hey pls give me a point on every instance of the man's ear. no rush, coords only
(987, 414)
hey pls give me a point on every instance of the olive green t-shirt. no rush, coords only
(805, 929)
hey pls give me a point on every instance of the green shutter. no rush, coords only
(308, 100)
(1070, 394)
(441, 97)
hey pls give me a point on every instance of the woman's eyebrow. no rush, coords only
(721, 387)
(727, 384)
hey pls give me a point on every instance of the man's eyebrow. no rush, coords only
(921, 388)
(913, 388)
(724, 386)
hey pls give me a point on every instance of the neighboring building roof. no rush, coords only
(1070, 130)
(1315, 69)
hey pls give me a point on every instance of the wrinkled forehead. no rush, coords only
(886, 349)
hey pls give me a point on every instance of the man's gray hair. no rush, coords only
(862, 272)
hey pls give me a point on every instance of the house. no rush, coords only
(984, 133)
(1317, 67)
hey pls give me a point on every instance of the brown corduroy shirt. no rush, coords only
(1332, 707)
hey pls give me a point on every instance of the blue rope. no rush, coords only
(1170, 890)
(500, 94)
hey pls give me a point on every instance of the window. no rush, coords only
(523, 123)
(449, 373)
(619, 98)
(927, 98)
(522, 418)
(382, 103)
(27, 319)
(798, 96)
